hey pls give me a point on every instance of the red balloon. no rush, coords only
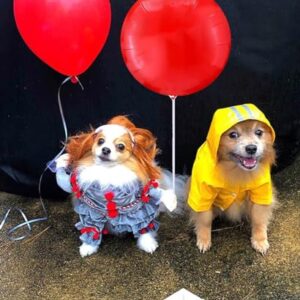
(67, 35)
(175, 47)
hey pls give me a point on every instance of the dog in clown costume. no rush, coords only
(114, 182)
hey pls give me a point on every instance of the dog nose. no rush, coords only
(106, 151)
(251, 149)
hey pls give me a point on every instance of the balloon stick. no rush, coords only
(173, 98)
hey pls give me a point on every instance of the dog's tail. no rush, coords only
(181, 190)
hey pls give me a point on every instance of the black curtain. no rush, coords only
(263, 68)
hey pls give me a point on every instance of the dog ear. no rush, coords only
(123, 121)
(144, 140)
(145, 150)
(79, 145)
(270, 153)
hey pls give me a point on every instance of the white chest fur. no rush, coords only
(117, 175)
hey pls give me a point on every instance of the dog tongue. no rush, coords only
(249, 162)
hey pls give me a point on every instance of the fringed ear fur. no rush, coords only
(123, 121)
(144, 148)
(145, 151)
(79, 145)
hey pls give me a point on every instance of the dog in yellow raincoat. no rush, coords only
(231, 174)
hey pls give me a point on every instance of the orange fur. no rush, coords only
(259, 215)
(144, 149)
(80, 147)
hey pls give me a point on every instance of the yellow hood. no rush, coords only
(204, 169)
(224, 118)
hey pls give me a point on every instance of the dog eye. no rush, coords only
(120, 147)
(259, 132)
(101, 141)
(233, 135)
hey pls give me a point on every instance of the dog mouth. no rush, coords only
(248, 163)
(104, 158)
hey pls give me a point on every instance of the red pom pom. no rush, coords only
(145, 198)
(142, 231)
(109, 196)
(151, 226)
(154, 184)
(113, 213)
(105, 231)
(111, 206)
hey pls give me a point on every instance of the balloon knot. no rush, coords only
(74, 79)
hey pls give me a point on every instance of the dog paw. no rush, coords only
(147, 243)
(203, 245)
(86, 250)
(261, 246)
(63, 161)
(169, 199)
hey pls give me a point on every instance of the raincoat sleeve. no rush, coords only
(262, 195)
(201, 195)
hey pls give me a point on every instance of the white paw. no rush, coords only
(86, 250)
(169, 199)
(62, 161)
(147, 242)
(261, 246)
(203, 245)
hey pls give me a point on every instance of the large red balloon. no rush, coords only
(67, 35)
(175, 47)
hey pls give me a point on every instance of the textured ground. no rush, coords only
(47, 265)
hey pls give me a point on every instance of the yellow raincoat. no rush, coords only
(208, 186)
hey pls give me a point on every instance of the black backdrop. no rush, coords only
(263, 68)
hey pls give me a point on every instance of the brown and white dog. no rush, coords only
(115, 185)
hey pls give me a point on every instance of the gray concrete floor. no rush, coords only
(47, 265)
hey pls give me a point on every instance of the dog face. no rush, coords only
(247, 144)
(117, 142)
(113, 144)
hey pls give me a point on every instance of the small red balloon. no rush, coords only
(67, 35)
(175, 47)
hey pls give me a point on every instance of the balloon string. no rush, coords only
(173, 98)
(45, 217)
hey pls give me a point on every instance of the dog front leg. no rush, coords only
(260, 216)
(203, 223)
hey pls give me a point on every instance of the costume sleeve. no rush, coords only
(201, 196)
(262, 195)
(63, 180)
(155, 193)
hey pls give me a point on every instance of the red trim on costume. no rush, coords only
(105, 231)
(151, 226)
(75, 187)
(111, 206)
(148, 228)
(96, 233)
(143, 231)
(145, 196)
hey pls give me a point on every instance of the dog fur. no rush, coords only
(232, 149)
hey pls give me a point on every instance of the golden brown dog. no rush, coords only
(242, 187)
